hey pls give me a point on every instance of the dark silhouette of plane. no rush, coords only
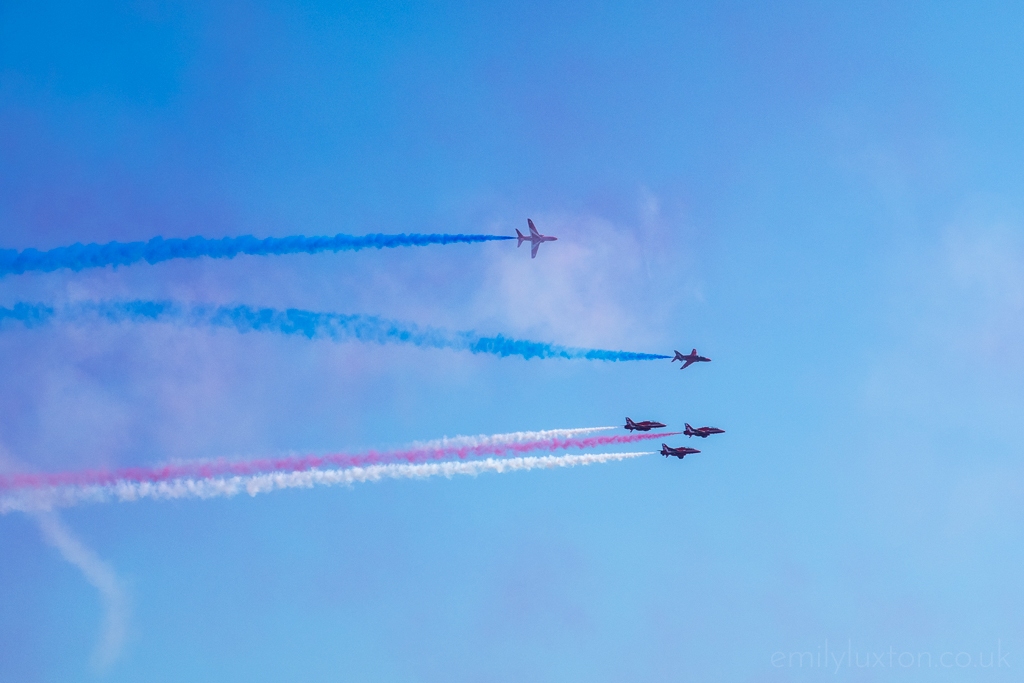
(690, 359)
(702, 432)
(535, 238)
(644, 426)
(678, 452)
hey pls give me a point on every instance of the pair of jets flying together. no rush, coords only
(535, 239)
(666, 450)
(683, 451)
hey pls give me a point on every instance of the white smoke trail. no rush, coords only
(218, 487)
(511, 437)
(96, 571)
(99, 574)
(445, 442)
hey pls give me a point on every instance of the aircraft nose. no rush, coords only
(555, 238)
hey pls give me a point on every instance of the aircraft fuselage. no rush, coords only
(703, 432)
(677, 452)
(645, 426)
(690, 359)
(535, 238)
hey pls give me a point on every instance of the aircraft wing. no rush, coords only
(533, 230)
(533, 252)
(686, 364)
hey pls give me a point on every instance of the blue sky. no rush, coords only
(825, 200)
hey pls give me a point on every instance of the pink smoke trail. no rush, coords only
(207, 470)
(42, 500)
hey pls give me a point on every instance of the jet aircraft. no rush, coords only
(702, 432)
(644, 426)
(535, 238)
(690, 359)
(677, 452)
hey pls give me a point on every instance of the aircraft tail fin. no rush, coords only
(521, 237)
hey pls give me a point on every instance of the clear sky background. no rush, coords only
(826, 200)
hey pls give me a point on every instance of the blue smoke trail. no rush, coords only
(31, 315)
(79, 256)
(309, 324)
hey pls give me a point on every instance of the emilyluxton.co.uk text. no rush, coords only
(826, 658)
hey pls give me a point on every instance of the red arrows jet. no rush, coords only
(535, 238)
(702, 432)
(644, 426)
(690, 359)
(678, 452)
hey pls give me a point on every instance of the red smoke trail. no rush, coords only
(207, 470)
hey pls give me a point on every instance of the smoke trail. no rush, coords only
(512, 437)
(96, 571)
(226, 487)
(28, 314)
(206, 470)
(99, 574)
(309, 324)
(79, 256)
